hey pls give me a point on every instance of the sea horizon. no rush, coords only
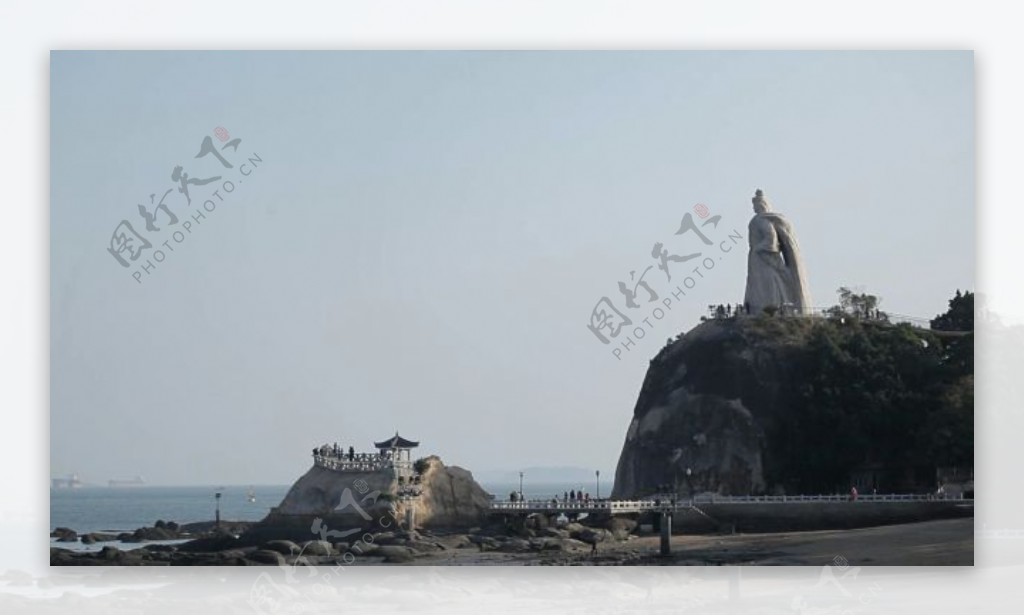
(98, 508)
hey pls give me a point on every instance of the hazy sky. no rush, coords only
(423, 236)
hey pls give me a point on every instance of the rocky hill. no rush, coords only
(340, 503)
(751, 405)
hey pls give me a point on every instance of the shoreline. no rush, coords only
(927, 543)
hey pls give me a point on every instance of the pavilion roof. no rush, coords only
(396, 442)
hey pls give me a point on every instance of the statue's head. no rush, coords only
(761, 204)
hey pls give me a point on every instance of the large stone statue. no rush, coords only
(775, 270)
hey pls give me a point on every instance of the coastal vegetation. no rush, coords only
(875, 395)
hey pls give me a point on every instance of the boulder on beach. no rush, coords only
(620, 527)
(282, 546)
(396, 553)
(316, 548)
(266, 557)
(64, 533)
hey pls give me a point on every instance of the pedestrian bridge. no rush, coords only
(671, 503)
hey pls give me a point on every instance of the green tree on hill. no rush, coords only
(857, 305)
(875, 395)
(959, 317)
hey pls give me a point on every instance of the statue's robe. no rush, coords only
(775, 269)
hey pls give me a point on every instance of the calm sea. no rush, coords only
(91, 509)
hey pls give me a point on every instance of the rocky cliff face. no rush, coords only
(450, 497)
(704, 407)
(800, 405)
(325, 492)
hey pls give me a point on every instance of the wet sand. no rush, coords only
(937, 542)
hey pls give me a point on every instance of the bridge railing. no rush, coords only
(571, 505)
(670, 502)
(800, 498)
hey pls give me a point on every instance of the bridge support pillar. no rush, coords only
(410, 517)
(666, 533)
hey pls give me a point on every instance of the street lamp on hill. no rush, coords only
(520, 485)
(597, 474)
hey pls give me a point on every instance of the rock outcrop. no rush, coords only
(706, 404)
(797, 405)
(450, 497)
(697, 411)
(340, 505)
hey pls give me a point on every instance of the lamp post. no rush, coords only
(597, 474)
(689, 483)
(216, 495)
(521, 485)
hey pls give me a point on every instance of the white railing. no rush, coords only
(574, 505)
(803, 498)
(359, 462)
(668, 502)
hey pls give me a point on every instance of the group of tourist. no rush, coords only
(579, 498)
(727, 311)
(572, 496)
(326, 450)
(724, 311)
